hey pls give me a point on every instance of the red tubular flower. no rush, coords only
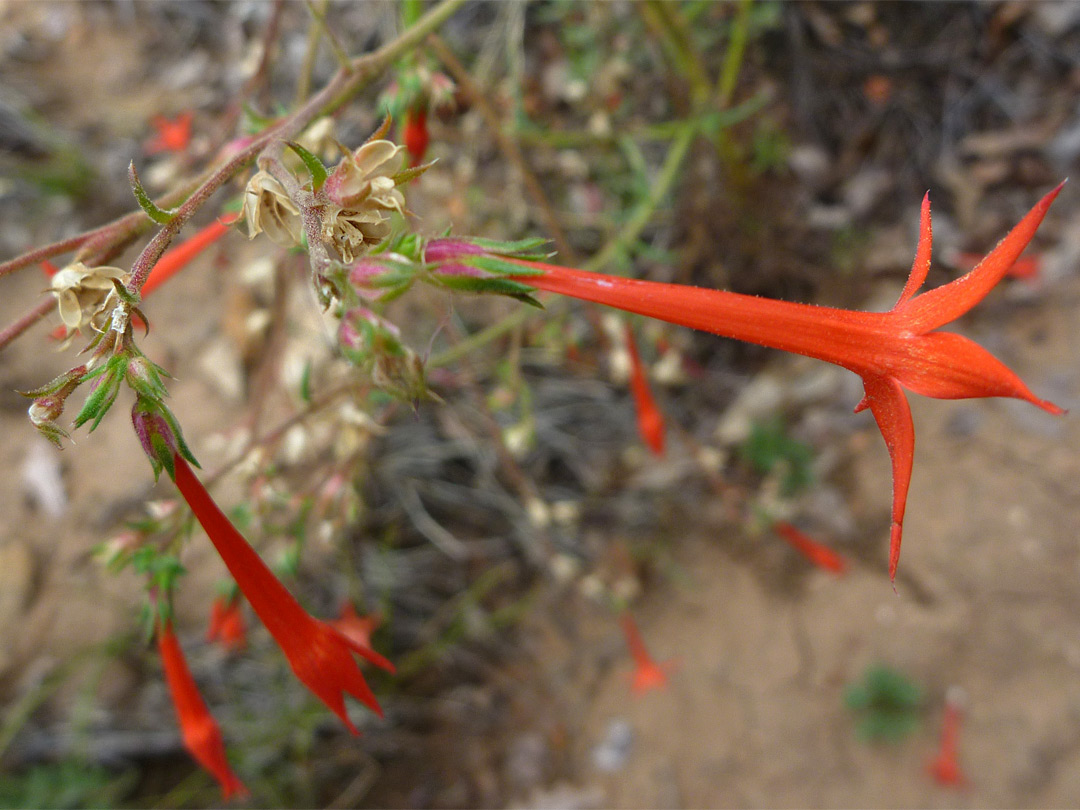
(200, 732)
(319, 655)
(172, 135)
(890, 350)
(177, 258)
(650, 420)
(415, 134)
(648, 674)
(227, 624)
(815, 552)
(945, 768)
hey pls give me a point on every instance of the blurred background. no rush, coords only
(772, 149)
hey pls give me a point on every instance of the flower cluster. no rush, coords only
(353, 202)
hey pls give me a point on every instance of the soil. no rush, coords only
(764, 646)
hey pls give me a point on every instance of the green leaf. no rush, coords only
(160, 216)
(314, 166)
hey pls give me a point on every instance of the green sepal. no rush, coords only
(145, 320)
(178, 435)
(532, 248)
(99, 402)
(94, 341)
(395, 290)
(122, 292)
(493, 264)
(314, 166)
(159, 215)
(162, 458)
(55, 384)
(495, 286)
(54, 433)
(305, 383)
(405, 175)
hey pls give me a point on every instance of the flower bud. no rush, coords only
(438, 251)
(46, 409)
(159, 434)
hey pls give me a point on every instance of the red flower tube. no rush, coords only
(890, 350)
(945, 767)
(227, 623)
(648, 673)
(820, 555)
(650, 420)
(320, 656)
(200, 732)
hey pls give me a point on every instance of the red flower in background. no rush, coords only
(647, 674)
(820, 555)
(890, 350)
(945, 768)
(227, 624)
(355, 627)
(173, 135)
(414, 134)
(650, 420)
(320, 656)
(200, 732)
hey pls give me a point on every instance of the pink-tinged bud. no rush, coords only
(364, 276)
(144, 377)
(49, 401)
(158, 433)
(362, 332)
(443, 250)
(46, 409)
(151, 426)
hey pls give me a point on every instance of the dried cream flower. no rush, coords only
(268, 209)
(362, 192)
(81, 292)
(364, 177)
(347, 230)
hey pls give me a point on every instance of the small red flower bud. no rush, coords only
(159, 434)
(415, 135)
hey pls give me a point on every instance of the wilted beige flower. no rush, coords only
(362, 192)
(268, 209)
(81, 292)
(347, 230)
(365, 177)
